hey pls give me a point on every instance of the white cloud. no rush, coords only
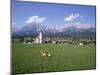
(71, 17)
(35, 19)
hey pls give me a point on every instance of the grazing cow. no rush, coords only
(45, 53)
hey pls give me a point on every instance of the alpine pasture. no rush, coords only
(27, 58)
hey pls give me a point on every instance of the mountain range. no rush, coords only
(33, 30)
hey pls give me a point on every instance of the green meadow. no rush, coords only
(26, 58)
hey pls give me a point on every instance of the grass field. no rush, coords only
(26, 58)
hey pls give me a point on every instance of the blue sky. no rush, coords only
(51, 14)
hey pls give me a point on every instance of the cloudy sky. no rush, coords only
(52, 15)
